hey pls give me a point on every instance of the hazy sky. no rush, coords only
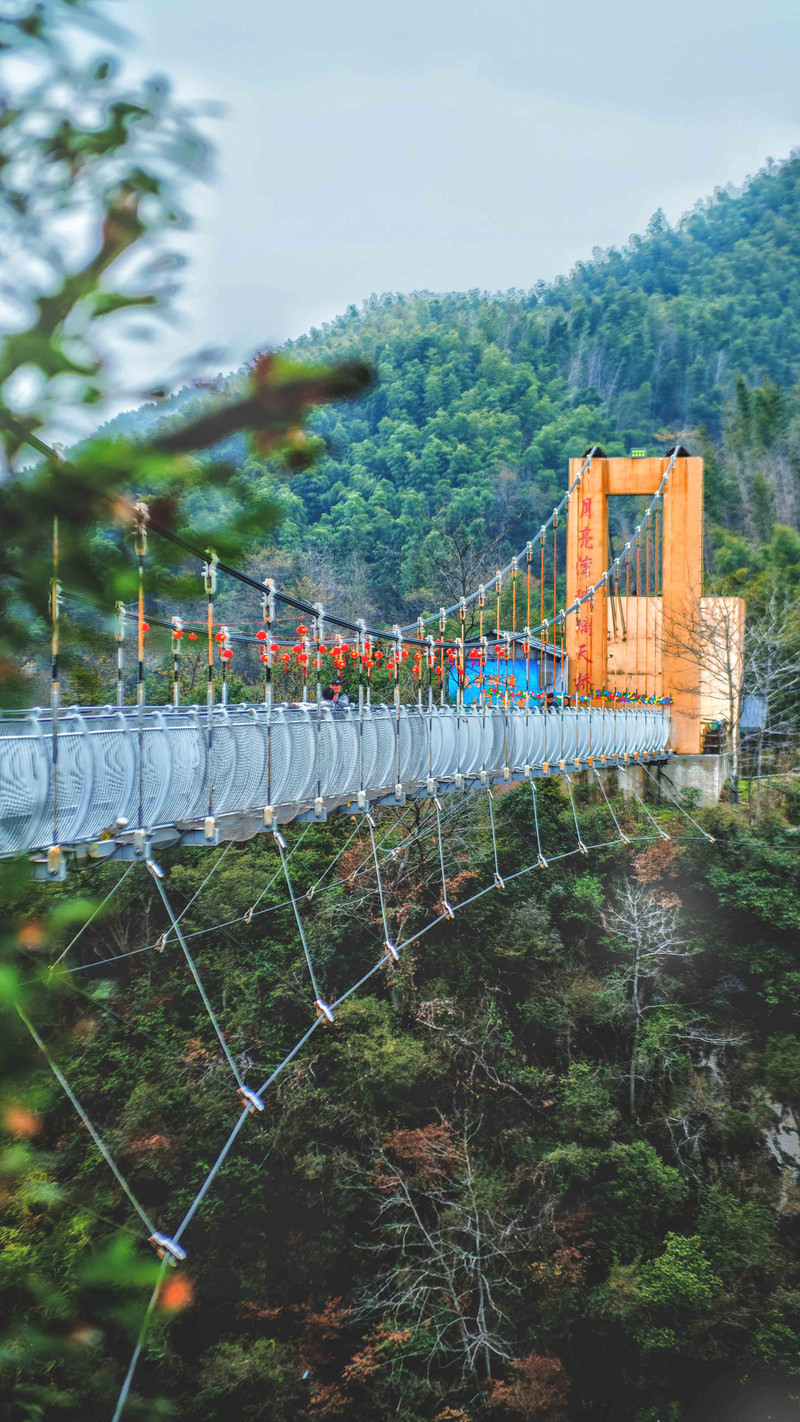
(450, 144)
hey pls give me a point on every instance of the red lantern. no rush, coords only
(226, 654)
(145, 626)
(219, 636)
(302, 630)
(177, 633)
(264, 657)
(192, 636)
(261, 635)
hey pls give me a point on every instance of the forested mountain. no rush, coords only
(481, 399)
(544, 1170)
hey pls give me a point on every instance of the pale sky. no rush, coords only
(451, 144)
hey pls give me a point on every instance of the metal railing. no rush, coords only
(175, 768)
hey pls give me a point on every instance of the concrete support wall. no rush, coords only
(705, 773)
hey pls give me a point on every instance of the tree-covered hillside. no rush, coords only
(481, 399)
(542, 1170)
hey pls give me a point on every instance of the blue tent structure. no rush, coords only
(519, 675)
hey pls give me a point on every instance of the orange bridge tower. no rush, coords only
(623, 644)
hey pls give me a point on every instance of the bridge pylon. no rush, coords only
(621, 646)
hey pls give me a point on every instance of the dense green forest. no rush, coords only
(543, 1168)
(481, 400)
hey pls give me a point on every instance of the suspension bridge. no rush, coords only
(472, 701)
(553, 668)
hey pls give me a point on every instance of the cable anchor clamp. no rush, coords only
(140, 532)
(251, 1099)
(268, 600)
(166, 1247)
(210, 573)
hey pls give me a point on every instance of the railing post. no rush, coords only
(121, 617)
(177, 634)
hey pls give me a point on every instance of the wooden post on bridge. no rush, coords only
(597, 657)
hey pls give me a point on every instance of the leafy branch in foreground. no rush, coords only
(91, 183)
(91, 175)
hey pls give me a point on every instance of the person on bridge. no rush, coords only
(334, 694)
